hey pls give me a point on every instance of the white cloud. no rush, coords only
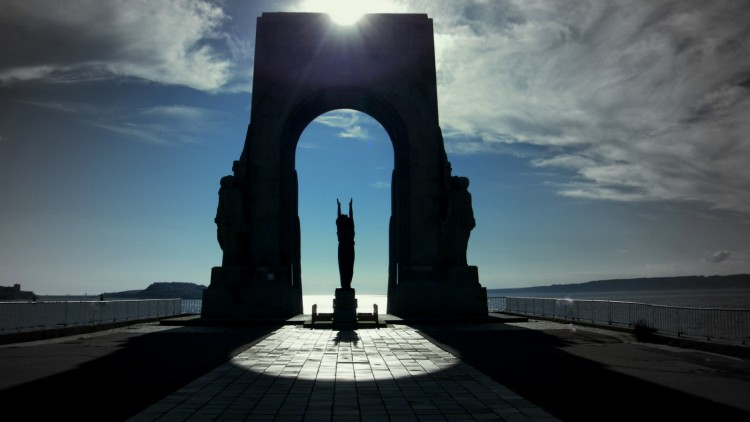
(634, 101)
(629, 101)
(338, 119)
(350, 122)
(25, 73)
(567, 161)
(356, 131)
(164, 41)
(717, 257)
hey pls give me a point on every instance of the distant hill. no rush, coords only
(737, 281)
(162, 290)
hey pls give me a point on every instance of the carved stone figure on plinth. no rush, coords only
(231, 228)
(345, 232)
(459, 221)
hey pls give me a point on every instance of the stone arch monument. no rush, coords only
(384, 66)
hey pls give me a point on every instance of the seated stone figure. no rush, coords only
(231, 227)
(459, 221)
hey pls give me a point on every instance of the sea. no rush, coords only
(325, 302)
(699, 298)
(364, 303)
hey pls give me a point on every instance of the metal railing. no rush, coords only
(191, 306)
(28, 316)
(708, 323)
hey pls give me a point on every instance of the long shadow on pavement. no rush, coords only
(112, 376)
(535, 365)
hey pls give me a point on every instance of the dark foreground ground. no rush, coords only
(587, 374)
(573, 373)
(111, 375)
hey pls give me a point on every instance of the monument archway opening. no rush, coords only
(344, 154)
(305, 66)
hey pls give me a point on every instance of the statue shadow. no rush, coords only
(347, 336)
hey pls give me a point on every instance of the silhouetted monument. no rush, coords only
(384, 66)
(345, 302)
(345, 233)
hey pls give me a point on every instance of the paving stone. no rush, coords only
(388, 373)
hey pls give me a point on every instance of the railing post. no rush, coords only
(653, 318)
(706, 325)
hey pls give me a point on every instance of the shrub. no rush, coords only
(643, 330)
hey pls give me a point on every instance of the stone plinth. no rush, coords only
(451, 292)
(344, 306)
(238, 293)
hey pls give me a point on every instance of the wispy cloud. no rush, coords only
(78, 108)
(163, 125)
(182, 112)
(63, 106)
(173, 124)
(307, 145)
(380, 185)
(166, 42)
(631, 101)
(150, 133)
(349, 121)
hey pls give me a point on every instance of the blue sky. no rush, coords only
(602, 140)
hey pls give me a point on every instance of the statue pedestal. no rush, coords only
(239, 293)
(427, 292)
(344, 306)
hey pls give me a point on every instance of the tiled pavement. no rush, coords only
(380, 374)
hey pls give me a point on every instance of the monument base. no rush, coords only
(345, 306)
(452, 292)
(239, 293)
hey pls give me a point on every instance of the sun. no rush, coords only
(347, 15)
(348, 12)
(343, 12)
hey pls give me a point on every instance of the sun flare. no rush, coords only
(348, 12)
